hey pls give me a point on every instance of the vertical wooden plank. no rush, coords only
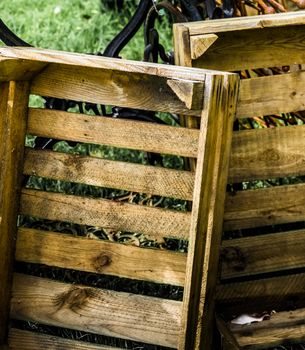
(208, 209)
(182, 49)
(13, 114)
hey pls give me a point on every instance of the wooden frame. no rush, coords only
(210, 96)
(258, 273)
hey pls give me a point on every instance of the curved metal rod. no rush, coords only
(126, 34)
(9, 38)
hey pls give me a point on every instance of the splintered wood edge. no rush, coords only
(188, 91)
(200, 44)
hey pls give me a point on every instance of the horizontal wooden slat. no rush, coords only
(24, 340)
(272, 94)
(111, 174)
(133, 90)
(114, 132)
(267, 153)
(282, 329)
(66, 251)
(156, 222)
(122, 315)
(103, 63)
(263, 254)
(17, 69)
(244, 23)
(263, 207)
(256, 296)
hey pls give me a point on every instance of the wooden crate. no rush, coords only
(34, 298)
(259, 272)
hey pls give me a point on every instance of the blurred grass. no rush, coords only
(76, 26)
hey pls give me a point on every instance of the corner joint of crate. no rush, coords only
(200, 44)
(190, 92)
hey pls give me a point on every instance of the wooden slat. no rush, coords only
(255, 48)
(122, 315)
(207, 214)
(282, 329)
(113, 132)
(267, 153)
(244, 23)
(111, 174)
(13, 114)
(255, 296)
(83, 254)
(133, 90)
(103, 63)
(262, 254)
(17, 69)
(263, 207)
(24, 340)
(272, 94)
(156, 222)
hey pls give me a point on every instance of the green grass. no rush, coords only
(76, 26)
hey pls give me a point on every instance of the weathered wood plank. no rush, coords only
(282, 328)
(83, 254)
(207, 214)
(263, 207)
(87, 84)
(13, 115)
(262, 254)
(17, 69)
(111, 174)
(272, 94)
(156, 222)
(114, 132)
(103, 63)
(267, 153)
(122, 315)
(255, 48)
(255, 296)
(244, 23)
(24, 340)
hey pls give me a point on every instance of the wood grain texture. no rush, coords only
(16, 69)
(263, 207)
(272, 94)
(103, 63)
(262, 254)
(255, 296)
(207, 213)
(97, 256)
(122, 315)
(133, 90)
(111, 174)
(24, 340)
(244, 23)
(189, 92)
(282, 328)
(115, 215)
(254, 48)
(182, 49)
(114, 132)
(267, 153)
(200, 44)
(13, 114)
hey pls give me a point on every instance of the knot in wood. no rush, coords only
(234, 258)
(73, 299)
(101, 261)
